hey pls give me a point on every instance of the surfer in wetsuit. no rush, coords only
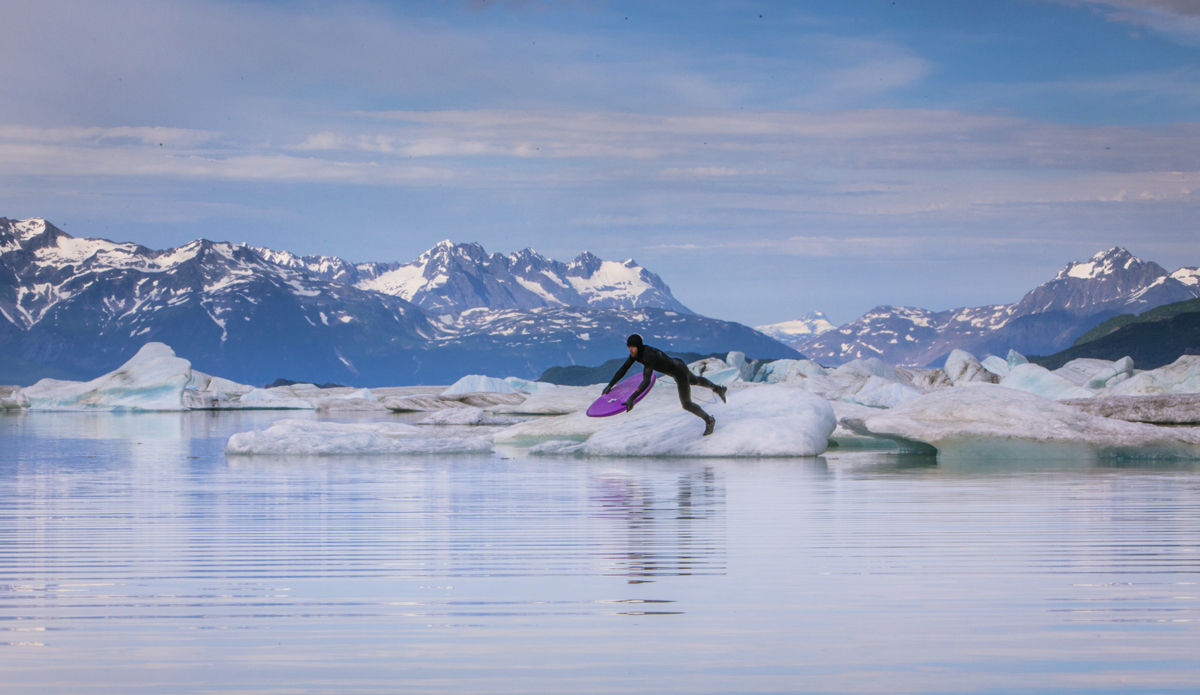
(656, 360)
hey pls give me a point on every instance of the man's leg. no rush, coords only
(701, 381)
(685, 399)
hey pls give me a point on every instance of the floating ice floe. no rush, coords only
(314, 437)
(997, 423)
(844, 438)
(1181, 376)
(767, 421)
(272, 399)
(153, 379)
(1165, 409)
(468, 416)
(429, 402)
(763, 421)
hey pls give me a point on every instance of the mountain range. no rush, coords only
(74, 308)
(1046, 320)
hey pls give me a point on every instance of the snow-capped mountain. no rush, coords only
(1044, 321)
(450, 278)
(795, 332)
(75, 308)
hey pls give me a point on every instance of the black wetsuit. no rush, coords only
(656, 360)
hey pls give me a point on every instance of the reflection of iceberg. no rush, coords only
(326, 438)
(993, 422)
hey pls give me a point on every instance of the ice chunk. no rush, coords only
(996, 366)
(923, 379)
(1181, 376)
(1014, 358)
(1036, 379)
(153, 379)
(766, 421)
(476, 383)
(962, 368)
(316, 437)
(527, 386)
(738, 361)
(1166, 409)
(789, 370)
(882, 393)
(998, 423)
(865, 369)
(468, 416)
(848, 439)
(273, 399)
(360, 394)
(557, 446)
(577, 425)
(556, 401)
(1080, 371)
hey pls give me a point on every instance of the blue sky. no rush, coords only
(766, 158)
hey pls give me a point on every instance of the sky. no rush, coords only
(766, 159)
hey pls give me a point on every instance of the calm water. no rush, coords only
(134, 558)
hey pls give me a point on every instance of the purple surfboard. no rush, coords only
(614, 401)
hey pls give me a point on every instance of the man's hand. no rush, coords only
(606, 390)
(628, 406)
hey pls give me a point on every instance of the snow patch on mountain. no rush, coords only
(791, 332)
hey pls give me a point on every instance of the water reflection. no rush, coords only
(130, 546)
(677, 530)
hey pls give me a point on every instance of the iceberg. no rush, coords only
(527, 386)
(962, 368)
(1181, 376)
(756, 422)
(477, 383)
(1014, 358)
(845, 438)
(153, 379)
(315, 437)
(991, 422)
(879, 392)
(1036, 379)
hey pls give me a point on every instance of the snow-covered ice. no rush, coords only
(556, 401)
(315, 437)
(998, 423)
(153, 379)
(789, 370)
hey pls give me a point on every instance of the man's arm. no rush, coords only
(641, 388)
(620, 374)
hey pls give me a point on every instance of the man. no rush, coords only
(656, 360)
